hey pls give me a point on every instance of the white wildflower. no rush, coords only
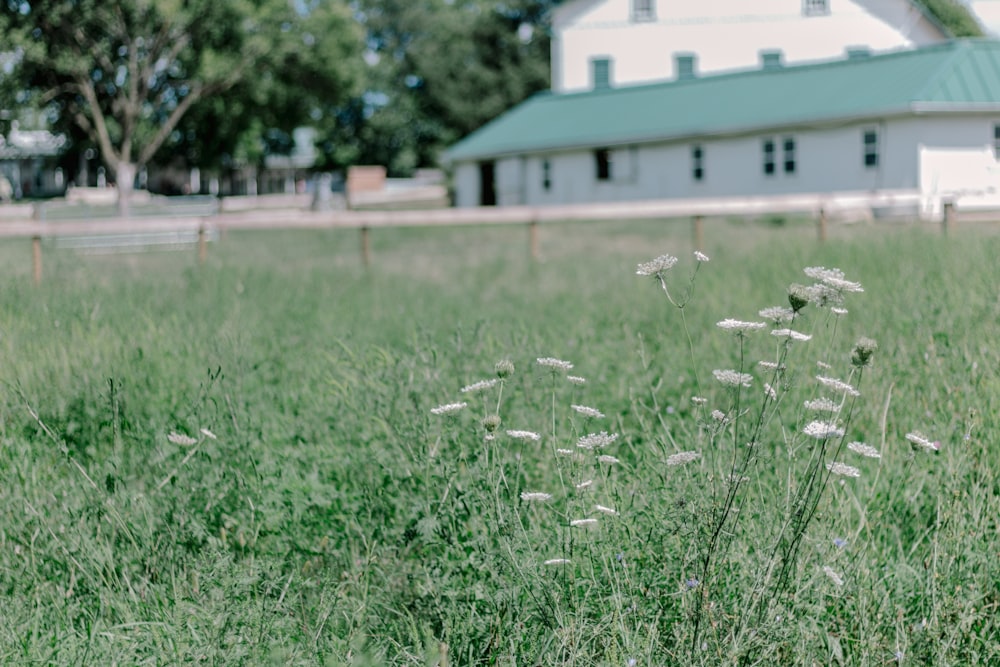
(565, 452)
(823, 365)
(605, 510)
(478, 386)
(719, 416)
(584, 484)
(535, 496)
(838, 386)
(208, 434)
(554, 364)
(864, 450)
(822, 405)
(918, 439)
(610, 460)
(524, 435)
(792, 334)
(733, 378)
(588, 412)
(698, 400)
(595, 440)
(657, 266)
(839, 312)
(448, 408)
(181, 439)
(843, 469)
(682, 457)
(739, 326)
(823, 430)
(583, 522)
(834, 577)
(575, 379)
(777, 314)
(770, 366)
(557, 561)
(771, 393)
(700, 256)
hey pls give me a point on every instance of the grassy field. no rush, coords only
(238, 463)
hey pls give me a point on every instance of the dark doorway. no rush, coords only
(487, 184)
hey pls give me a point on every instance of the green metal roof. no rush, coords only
(961, 75)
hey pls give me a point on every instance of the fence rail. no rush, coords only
(197, 230)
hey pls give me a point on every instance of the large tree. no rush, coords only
(126, 72)
(436, 70)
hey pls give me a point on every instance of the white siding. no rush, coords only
(722, 34)
(466, 182)
(826, 160)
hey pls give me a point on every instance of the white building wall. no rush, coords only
(826, 160)
(723, 34)
(465, 180)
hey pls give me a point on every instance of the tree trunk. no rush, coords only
(125, 179)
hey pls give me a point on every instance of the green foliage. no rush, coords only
(954, 16)
(124, 75)
(333, 519)
(437, 71)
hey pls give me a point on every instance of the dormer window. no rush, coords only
(815, 7)
(643, 10)
(600, 72)
(684, 66)
(771, 60)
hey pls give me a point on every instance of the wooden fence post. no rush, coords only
(699, 233)
(366, 250)
(948, 218)
(36, 259)
(202, 244)
(822, 225)
(533, 239)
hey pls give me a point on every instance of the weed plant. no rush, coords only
(494, 462)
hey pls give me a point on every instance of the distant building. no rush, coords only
(608, 43)
(29, 162)
(657, 99)
(921, 122)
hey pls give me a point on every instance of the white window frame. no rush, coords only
(871, 150)
(815, 7)
(643, 11)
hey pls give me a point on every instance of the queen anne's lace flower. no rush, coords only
(823, 430)
(733, 378)
(588, 412)
(739, 326)
(596, 440)
(478, 386)
(838, 468)
(535, 496)
(918, 439)
(524, 435)
(655, 267)
(554, 364)
(181, 439)
(682, 457)
(448, 408)
(864, 450)
(838, 386)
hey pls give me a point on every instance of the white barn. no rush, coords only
(921, 123)
(600, 43)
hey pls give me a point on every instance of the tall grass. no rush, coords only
(239, 463)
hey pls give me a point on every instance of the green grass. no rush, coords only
(335, 520)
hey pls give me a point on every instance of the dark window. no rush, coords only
(684, 66)
(643, 10)
(996, 141)
(789, 146)
(697, 163)
(487, 184)
(601, 71)
(602, 163)
(870, 139)
(546, 175)
(771, 59)
(768, 147)
(815, 7)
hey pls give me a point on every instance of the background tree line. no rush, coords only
(216, 83)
